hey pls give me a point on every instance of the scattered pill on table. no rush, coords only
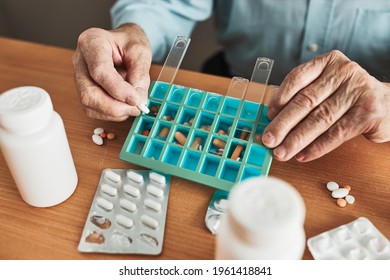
(350, 199)
(98, 130)
(111, 136)
(348, 187)
(97, 139)
(341, 202)
(332, 186)
(103, 135)
(340, 193)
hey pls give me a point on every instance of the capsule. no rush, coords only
(157, 178)
(180, 137)
(219, 143)
(110, 190)
(128, 205)
(164, 132)
(237, 152)
(149, 221)
(198, 141)
(104, 203)
(124, 221)
(131, 190)
(136, 177)
(143, 108)
(152, 204)
(157, 192)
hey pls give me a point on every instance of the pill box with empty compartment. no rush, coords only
(128, 213)
(201, 136)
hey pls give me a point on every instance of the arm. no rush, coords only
(323, 103)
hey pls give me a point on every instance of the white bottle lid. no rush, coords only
(264, 209)
(25, 109)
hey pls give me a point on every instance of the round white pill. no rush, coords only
(97, 139)
(157, 178)
(143, 108)
(340, 193)
(135, 176)
(152, 204)
(131, 190)
(124, 221)
(110, 190)
(332, 186)
(155, 191)
(128, 205)
(149, 221)
(112, 176)
(104, 203)
(98, 131)
(350, 199)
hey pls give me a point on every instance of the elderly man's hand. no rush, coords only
(112, 71)
(322, 104)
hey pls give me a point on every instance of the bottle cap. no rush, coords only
(25, 109)
(263, 209)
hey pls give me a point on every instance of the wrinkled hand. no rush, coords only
(112, 71)
(322, 104)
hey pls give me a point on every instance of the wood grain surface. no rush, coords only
(54, 233)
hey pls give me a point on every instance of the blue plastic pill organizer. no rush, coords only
(206, 137)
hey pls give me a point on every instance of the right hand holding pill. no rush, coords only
(112, 71)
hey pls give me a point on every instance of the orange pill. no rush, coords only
(219, 143)
(111, 136)
(180, 137)
(341, 202)
(258, 139)
(103, 135)
(244, 134)
(221, 131)
(164, 132)
(237, 152)
(198, 141)
(348, 187)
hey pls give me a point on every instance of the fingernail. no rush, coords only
(300, 157)
(280, 152)
(268, 139)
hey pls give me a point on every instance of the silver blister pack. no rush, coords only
(216, 210)
(128, 213)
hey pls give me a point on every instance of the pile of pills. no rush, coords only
(128, 213)
(216, 210)
(341, 195)
(99, 134)
(357, 240)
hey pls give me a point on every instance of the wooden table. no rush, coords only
(54, 233)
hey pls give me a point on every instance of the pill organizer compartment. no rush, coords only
(222, 136)
(128, 213)
(357, 240)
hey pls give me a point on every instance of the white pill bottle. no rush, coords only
(34, 145)
(264, 220)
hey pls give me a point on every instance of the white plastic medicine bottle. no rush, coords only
(34, 144)
(264, 221)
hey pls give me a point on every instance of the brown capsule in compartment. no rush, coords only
(219, 143)
(237, 152)
(164, 132)
(180, 137)
(244, 134)
(198, 141)
(258, 139)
